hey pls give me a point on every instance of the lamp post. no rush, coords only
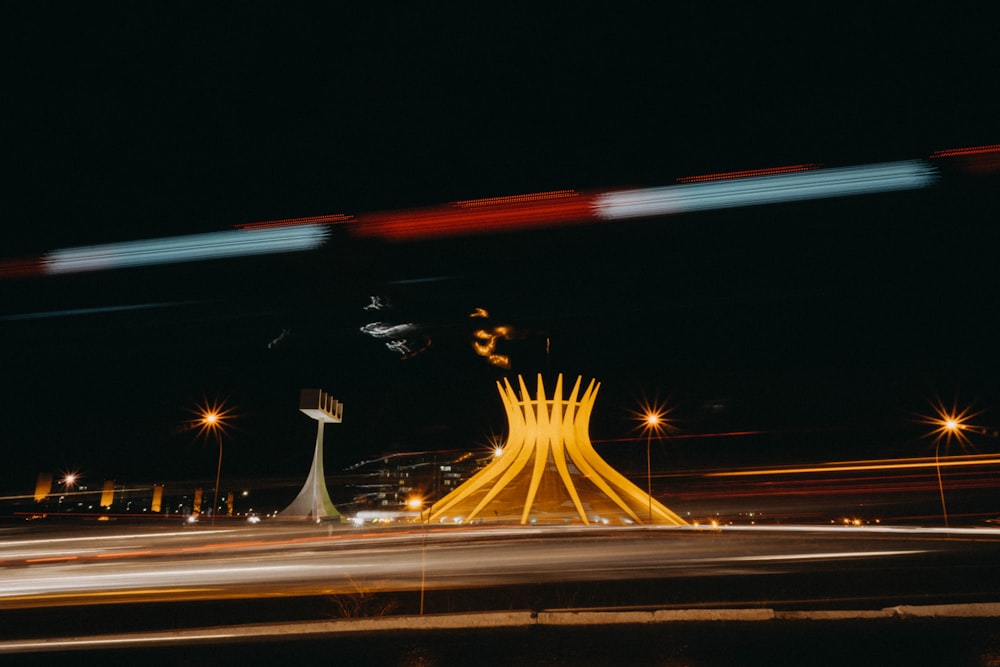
(68, 480)
(213, 421)
(949, 424)
(652, 421)
(416, 504)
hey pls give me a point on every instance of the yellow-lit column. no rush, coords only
(157, 498)
(43, 486)
(108, 493)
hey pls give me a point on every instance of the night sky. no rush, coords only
(830, 322)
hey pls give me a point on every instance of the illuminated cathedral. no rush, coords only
(548, 471)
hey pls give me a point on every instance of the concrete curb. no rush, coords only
(507, 619)
(653, 616)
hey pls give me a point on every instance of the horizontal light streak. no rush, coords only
(827, 488)
(194, 247)
(828, 555)
(331, 219)
(480, 216)
(729, 175)
(80, 643)
(922, 463)
(906, 530)
(797, 186)
(46, 547)
(91, 311)
(971, 150)
(974, 159)
(16, 268)
(89, 540)
(515, 199)
(498, 214)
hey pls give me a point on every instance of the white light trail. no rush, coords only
(79, 643)
(498, 214)
(111, 578)
(194, 247)
(978, 531)
(796, 186)
(91, 539)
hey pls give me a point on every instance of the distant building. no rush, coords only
(386, 487)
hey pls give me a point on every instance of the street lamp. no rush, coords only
(653, 420)
(949, 424)
(495, 447)
(416, 504)
(68, 480)
(212, 421)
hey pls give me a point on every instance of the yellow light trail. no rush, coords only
(875, 464)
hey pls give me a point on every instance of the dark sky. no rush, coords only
(837, 316)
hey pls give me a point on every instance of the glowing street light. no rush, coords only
(68, 481)
(416, 504)
(653, 419)
(948, 424)
(213, 419)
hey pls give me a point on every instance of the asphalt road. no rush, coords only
(787, 566)
(277, 593)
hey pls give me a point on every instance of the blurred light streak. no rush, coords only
(888, 465)
(827, 556)
(80, 643)
(332, 219)
(511, 213)
(126, 554)
(479, 216)
(834, 486)
(972, 150)
(382, 556)
(974, 159)
(194, 247)
(907, 530)
(92, 311)
(499, 214)
(124, 536)
(746, 173)
(21, 267)
(696, 436)
(418, 281)
(797, 186)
